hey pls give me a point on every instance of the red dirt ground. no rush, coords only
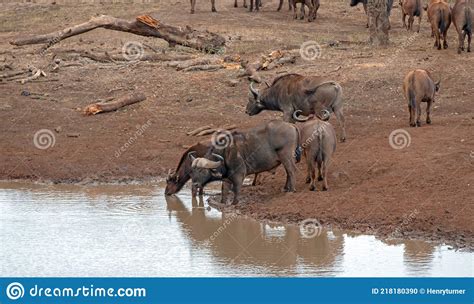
(424, 190)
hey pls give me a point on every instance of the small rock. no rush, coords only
(73, 135)
(25, 93)
(58, 129)
(189, 99)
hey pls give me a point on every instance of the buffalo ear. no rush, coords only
(437, 85)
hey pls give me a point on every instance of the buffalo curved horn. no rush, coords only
(221, 159)
(254, 91)
(206, 163)
(191, 155)
(298, 117)
(325, 115)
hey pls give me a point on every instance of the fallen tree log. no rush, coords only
(100, 107)
(200, 40)
(107, 57)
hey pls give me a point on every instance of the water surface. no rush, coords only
(133, 230)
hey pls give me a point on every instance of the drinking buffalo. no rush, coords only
(292, 92)
(412, 9)
(257, 150)
(318, 140)
(418, 87)
(462, 19)
(439, 16)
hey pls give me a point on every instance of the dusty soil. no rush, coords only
(423, 190)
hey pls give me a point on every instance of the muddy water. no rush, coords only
(135, 231)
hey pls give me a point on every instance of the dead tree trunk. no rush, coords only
(379, 22)
(203, 41)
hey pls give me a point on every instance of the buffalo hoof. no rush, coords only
(308, 180)
(412, 124)
(192, 12)
(445, 45)
(459, 51)
(320, 178)
(428, 121)
(343, 139)
(469, 50)
(214, 10)
(325, 188)
(418, 124)
(312, 188)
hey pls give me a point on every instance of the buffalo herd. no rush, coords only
(307, 102)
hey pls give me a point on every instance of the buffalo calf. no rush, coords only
(418, 87)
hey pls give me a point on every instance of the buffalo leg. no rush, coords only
(445, 39)
(325, 175)
(418, 114)
(309, 168)
(312, 171)
(193, 4)
(213, 3)
(280, 5)
(290, 169)
(245, 3)
(412, 116)
(342, 123)
(404, 17)
(237, 182)
(428, 112)
(469, 38)
(302, 10)
(224, 192)
(295, 14)
(411, 19)
(255, 180)
(419, 23)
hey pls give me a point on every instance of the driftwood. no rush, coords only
(206, 130)
(144, 26)
(100, 107)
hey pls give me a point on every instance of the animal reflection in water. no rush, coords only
(244, 241)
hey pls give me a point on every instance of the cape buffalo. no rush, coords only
(260, 149)
(439, 16)
(213, 4)
(418, 87)
(364, 3)
(318, 140)
(313, 6)
(462, 19)
(292, 92)
(412, 9)
(177, 179)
